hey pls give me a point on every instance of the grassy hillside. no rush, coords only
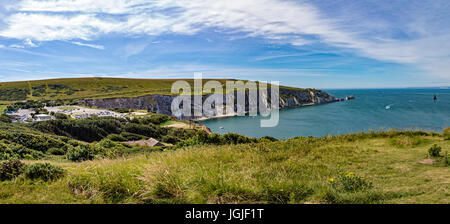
(82, 88)
(384, 167)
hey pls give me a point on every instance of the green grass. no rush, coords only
(67, 108)
(2, 109)
(290, 171)
(84, 88)
(168, 123)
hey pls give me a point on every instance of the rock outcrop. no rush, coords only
(162, 103)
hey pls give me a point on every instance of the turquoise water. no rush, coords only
(409, 109)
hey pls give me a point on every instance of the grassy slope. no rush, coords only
(99, 87)
(290, 171)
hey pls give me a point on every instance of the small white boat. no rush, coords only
(221, 127)
(388, 107)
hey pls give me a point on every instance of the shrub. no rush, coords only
(56, 151)
(434, 151)
(233, 138)
(10, 169)
(170, 139)
(31, 140)
(11, 150)
(350, 182)
(268, 138)
(80, 153)
(88, 130)
(154, 119)
(215, 139)
(61, 116)
(131, 137)
(122, 110)
(447, 133)
(43, 171)
(5, 118)
(145, 130)
(117, 138)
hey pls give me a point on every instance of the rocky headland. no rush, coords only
(288, 98)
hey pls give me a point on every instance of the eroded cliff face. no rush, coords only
(162, 103)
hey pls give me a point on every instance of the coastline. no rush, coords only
(235, 114)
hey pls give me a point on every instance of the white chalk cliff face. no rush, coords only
(162, 103)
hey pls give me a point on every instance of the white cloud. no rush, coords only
(29, 43)
(16, 46)
(280, 21)
(100, 47)
(133, 49)
(86, 6)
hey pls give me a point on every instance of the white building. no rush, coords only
(43, 117)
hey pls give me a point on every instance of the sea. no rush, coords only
(372, 109)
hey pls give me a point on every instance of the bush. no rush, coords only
(215, 139)
(268, 138)
(61, 116)
(131, 137)
(122, 110)
(350, 182)
(447, 133)
(43, 171)
(117, 138)
(145, 130)
(56, 151)
(88, 130)
(10, 169)
(170, 139)
(80, 153)
(31, 140)
(434, 151)
(154, 119)
(233, 138)
(11, 150)
(5, 118)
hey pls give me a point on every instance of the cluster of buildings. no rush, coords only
(28, 115)
(76, 112)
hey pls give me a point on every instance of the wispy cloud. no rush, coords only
(100, 47)
(417, 36)
(26, 44)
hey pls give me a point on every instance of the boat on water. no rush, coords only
(388, 107)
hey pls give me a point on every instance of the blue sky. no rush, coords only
(319, 44)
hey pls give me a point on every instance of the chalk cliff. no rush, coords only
(162, 103)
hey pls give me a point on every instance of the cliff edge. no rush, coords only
(162, 103)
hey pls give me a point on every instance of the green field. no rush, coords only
(299, 170)
(86, 88)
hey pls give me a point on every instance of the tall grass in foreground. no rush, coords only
(378, 167)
